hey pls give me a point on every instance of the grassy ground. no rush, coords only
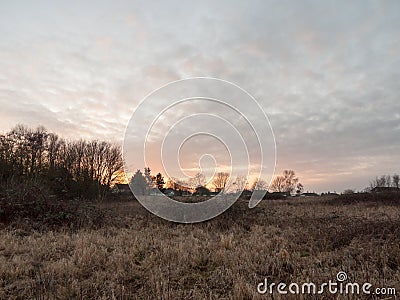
(133, 254)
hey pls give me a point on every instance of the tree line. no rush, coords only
(72, 168)
(386, 181)
(142, 183)
(81, 168)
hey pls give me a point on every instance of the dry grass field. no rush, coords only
(131, 254)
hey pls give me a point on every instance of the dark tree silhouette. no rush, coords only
(196, 181)
(259, 185)
(138, 183)
(299, 188)
(285, 183)
(396, 180)
(159, 181)
(220, 181)
(77, 168)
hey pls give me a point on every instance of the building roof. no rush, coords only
(385, 189)
(122, 186)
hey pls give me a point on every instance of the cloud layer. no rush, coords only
(327, 73)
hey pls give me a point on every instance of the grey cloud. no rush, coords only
(327, 73)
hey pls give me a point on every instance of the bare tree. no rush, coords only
(388, 180)
(7, 166)
(170, 184)
(260, 185)
(299, 188)
(240, 183)
(53, 147)
(113, 165)
(198, 180)
(290, 180)
(286, 182)
(182, 185)
(87, 168)
(36, 144)
(381, 181)
(396, 180)
(279, 184)
(220, 181)
(19, 137)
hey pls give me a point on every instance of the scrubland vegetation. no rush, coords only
(115, 249)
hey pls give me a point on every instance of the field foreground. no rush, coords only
(133, 254)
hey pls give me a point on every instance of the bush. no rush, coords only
(31, 200)
(378, 198)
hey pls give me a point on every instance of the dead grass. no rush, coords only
(135, 255)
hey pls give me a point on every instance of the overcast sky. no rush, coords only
(327, 73)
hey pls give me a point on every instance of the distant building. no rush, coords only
(169, 192)
(201, 191)
(276, 195)
(155, 192)
(309, 195)
(385, 189)
(122, 188)
(330, 194)
(186, 193)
